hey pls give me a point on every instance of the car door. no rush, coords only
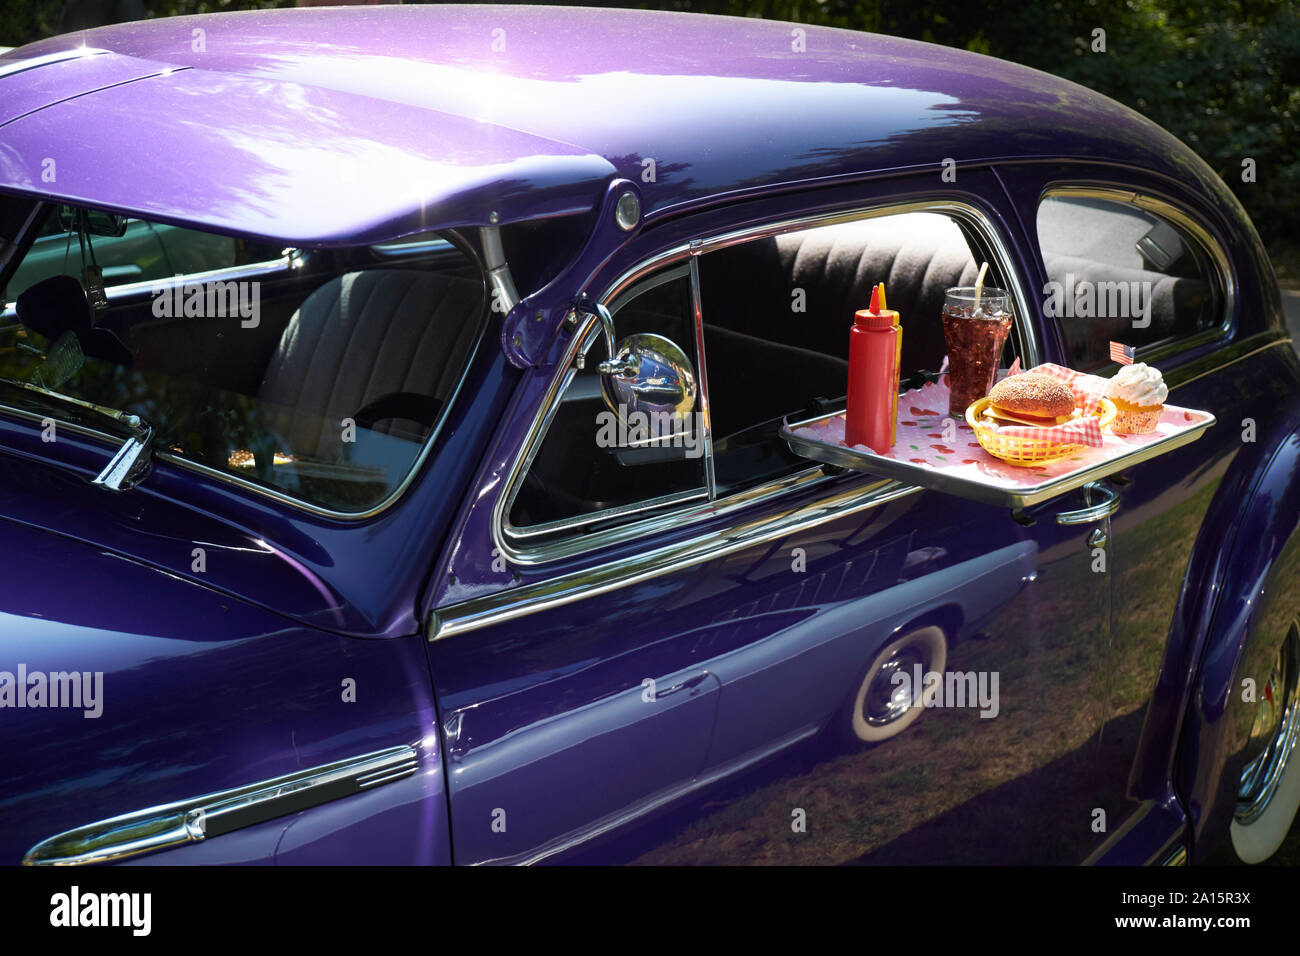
(1213, 355)
(1021, 602)
(758, 608)
(561, 725)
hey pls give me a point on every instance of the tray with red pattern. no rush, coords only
(936, 451)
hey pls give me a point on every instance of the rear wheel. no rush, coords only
(1269, 792)
(887, 699)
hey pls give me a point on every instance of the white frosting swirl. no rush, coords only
(1139, 384)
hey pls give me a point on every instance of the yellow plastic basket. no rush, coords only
(1027, 451)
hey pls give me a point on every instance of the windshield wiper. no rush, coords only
(132, 461)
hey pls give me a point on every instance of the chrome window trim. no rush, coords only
(292, 260)
(702, 374)
(402, 248)
(517, 551)
(289, 261)
(609, 514)
(188, 821)
(1165, 348)
(587, 337)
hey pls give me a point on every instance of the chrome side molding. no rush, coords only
(35, 62)
(199, 818)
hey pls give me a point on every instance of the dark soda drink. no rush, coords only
(975, 335)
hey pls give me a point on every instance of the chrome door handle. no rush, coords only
(689, 684)
(1108, 505)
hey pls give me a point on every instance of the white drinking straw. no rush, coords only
(979, 285)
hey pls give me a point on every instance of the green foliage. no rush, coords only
(26, 21)
(23, 21)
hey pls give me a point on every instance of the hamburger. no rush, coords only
(1030, 399)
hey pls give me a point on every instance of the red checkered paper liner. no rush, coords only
(1088, 391)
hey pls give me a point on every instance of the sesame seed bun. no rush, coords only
(1039, 396)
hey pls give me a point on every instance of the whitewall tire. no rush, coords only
(882, 707)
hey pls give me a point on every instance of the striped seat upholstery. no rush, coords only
(366, 334)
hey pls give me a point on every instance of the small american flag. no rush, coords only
(1123, 354)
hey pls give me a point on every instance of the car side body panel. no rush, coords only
(198, 693)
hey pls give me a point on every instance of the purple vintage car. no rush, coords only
(331, 536)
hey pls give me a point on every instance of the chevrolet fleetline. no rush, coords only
(337, 528)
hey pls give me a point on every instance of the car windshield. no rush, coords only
(315, 374)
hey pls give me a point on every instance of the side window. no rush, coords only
(584, 474)
(777, 313)
(1119, 272)
(143, 252)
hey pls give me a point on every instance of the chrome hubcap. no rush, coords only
(1274, 733)
(887, 700)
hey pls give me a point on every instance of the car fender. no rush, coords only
(1243, 585)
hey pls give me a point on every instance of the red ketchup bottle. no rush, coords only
(874, 347)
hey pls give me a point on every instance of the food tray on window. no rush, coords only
(923, 456)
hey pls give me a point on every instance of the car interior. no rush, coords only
(776, 316)
(1097, 240)
(380, 336)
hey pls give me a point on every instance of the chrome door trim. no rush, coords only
(645, 507)
(198, 818)
(578, 585)
(518, 552)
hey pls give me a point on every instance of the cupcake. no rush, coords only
(1139, 393)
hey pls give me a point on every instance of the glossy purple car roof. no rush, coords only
(357, 124)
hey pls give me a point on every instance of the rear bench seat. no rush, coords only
(766, 360)
(1088, 338)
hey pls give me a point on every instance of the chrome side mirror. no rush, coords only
(650, 374)
(644, 373)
